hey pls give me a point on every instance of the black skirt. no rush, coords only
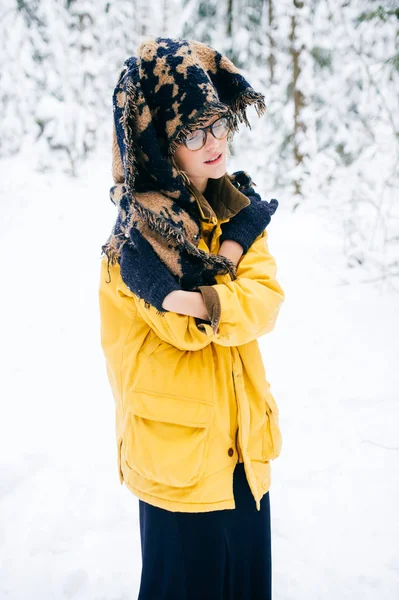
(218, 555)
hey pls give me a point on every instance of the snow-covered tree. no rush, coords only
(329, 72)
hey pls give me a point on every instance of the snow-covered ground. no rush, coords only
(67, 527)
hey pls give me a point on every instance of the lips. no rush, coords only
(214, 158)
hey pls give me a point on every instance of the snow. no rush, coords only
(67, 528)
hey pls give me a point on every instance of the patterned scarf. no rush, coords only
(170, 89)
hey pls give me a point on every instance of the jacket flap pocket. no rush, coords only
(171, 409)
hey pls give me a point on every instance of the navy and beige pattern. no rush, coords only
(165, 92)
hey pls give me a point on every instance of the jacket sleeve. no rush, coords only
(239, 311)
(247, 307)
(179, 330)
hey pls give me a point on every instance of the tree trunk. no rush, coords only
(272, 44)
(229, 30)
(297, 94)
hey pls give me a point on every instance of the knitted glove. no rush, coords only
(155, 281)
(249, 223)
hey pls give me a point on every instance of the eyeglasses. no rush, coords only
(219, 129)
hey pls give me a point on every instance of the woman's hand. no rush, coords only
(232, 250)
(192, 303)
(186, 303)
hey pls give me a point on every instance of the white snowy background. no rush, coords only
(68, 530)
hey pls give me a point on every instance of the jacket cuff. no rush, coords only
(213, 308)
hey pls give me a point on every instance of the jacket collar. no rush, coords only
(220, 201)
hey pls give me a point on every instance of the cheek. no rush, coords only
(184, 158)
(194, 161)
(189, 161)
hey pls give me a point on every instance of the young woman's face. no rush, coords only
(195, 164)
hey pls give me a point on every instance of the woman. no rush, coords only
(187, 287)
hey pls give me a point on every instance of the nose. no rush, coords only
(211, 142)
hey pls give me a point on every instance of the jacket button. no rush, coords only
(230, 452)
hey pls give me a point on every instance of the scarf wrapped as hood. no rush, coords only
(167, 91)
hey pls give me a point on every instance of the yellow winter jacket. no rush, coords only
(192, 400)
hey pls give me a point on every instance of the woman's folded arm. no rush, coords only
(239, 311)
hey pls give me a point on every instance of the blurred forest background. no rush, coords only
(329, 71)
(327, 149)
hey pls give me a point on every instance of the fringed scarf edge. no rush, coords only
(112, 248)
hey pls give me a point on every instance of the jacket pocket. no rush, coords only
(166, 438)
(272, 439)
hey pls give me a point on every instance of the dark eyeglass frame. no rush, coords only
(205, 134)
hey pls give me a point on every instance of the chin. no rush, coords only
(219, 172)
